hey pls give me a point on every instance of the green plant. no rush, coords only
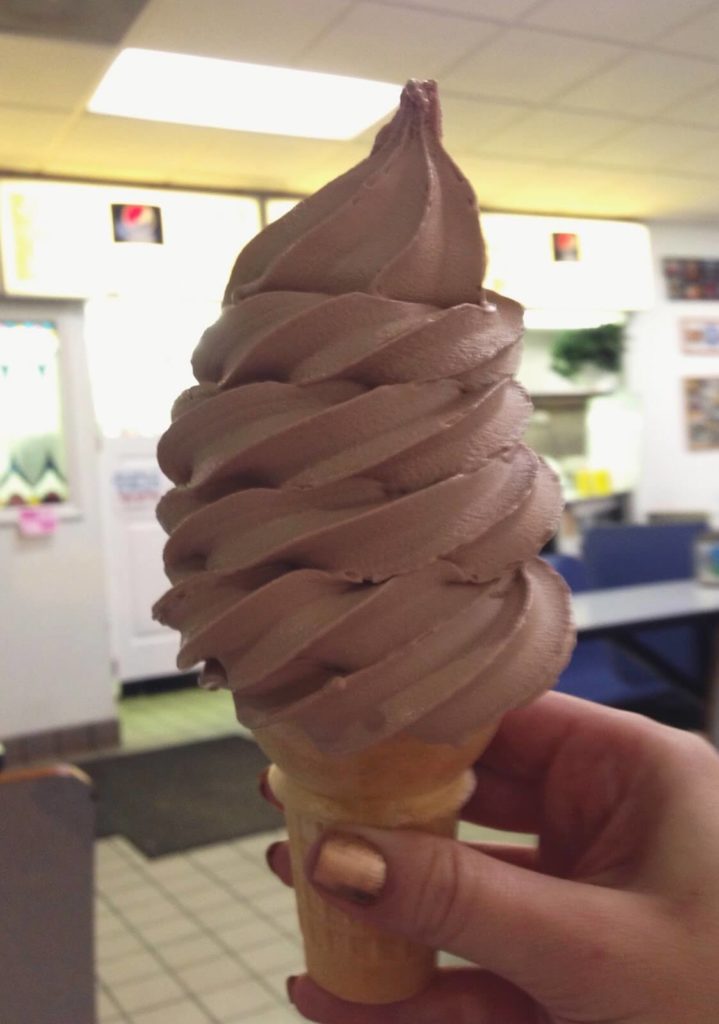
(594, 346)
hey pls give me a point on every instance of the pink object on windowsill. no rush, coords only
(37, 521)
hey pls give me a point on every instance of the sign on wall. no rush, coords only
(701, 402)
(700, 336)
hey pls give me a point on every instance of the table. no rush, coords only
(618, 612)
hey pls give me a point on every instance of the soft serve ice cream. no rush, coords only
(355, 521)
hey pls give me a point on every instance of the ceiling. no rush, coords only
(594, 107)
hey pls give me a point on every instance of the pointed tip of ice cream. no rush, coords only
(422, 99)
(419, 110)
(403, 224)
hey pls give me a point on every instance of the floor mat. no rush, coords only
(173, 799)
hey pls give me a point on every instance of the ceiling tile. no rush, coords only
(144, 149)
(495, 181)
(623, 20)
(529, 65)
(272, 32)
(652, 146)
(101, 21)
(116, 147)
(704, 160)
(268, 162)
(700, 35)
(50, 75)
(532, 187)
(702, 108)
(334, 160)
(502, 10)
(677, 198)
(467, 124)
(552, 134)
(519, 154)
(26, 133)
(395, 43)
(647, 196)
(537, 187)
(643, 83)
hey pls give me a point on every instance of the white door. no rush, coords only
(132, 484)
(139, 356)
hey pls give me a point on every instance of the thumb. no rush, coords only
(557, 940)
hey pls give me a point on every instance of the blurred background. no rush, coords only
(138, 154)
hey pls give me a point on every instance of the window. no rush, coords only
(33, 463)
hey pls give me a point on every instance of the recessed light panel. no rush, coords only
(183, 89)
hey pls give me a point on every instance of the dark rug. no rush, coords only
(169, 800)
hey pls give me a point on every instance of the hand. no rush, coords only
(614, 919)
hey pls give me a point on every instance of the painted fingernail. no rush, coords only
(265, 792)
(350, 868)
(289, 985)
(269, 854)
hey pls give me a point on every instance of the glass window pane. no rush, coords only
(33, 465)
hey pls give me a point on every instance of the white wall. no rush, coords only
(55, 666)
(672, 477)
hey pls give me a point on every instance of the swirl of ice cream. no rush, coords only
(355, 522)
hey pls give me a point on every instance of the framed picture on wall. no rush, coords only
(691, 279)
(701, 402)
(700, 336)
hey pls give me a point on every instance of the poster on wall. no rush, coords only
(134, 223)
(700, 336)
(691, 279)
(565, 247)
(701, 401)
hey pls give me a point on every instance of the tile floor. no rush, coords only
(203, 937)
(176, 717)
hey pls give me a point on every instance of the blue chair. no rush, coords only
(623, 555)
(593, 675)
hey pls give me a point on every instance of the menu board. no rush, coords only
(67, 240)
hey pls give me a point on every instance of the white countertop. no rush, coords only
(596, 610)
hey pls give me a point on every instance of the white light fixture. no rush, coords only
(570, 319)
(184, 89)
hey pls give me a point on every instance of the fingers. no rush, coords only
(278, 857)
(560, 760)
(511, 773)
(536, 931)
(503, 803)
(521, 856)
(263, 785)
(278, 854)
(278, 861)
(462, 996)
(531, 737)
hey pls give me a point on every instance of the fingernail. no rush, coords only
(289, 985)
(269, 854)
(265, 792)
(351, 868)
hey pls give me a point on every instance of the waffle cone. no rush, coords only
(399, 783)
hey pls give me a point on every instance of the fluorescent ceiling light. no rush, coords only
(158, 86)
